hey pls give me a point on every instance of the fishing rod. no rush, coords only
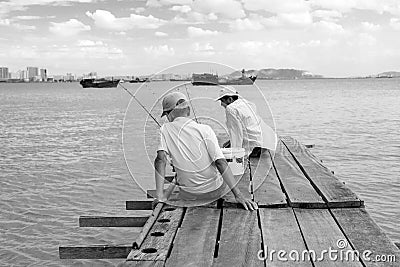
(137, 100)
(190, 101)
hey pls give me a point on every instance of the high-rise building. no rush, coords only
(32, 72)
(4, 73)
(43, 75)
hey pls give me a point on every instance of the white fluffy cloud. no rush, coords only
(160, 3)
(68, 28)
(395, 23)
(183, 9)
(277, 6)
(160, 34)
(370, 26)
(379, 6)
(198, 32)
(231, 9)
(161, 50)
(105, 19)
(328, 15)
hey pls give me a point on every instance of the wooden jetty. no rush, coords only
(304, 214)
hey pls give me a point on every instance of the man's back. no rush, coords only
(193, 149)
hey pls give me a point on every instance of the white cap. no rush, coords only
(227, 91)
(172, 100)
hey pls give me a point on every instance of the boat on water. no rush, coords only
(98, 83)
(138, 80)
(213, 79)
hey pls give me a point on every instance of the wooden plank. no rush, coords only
(158, 242)
(321, 232)
(94, 252)
(243, 183)
(365, 235)
(98, 221)
(281, 232)
(268, 192)
(139, 204)
(151, 193)
(335, 192)
(240, 239)
(196, 238)
(298, 190)
(141, 264)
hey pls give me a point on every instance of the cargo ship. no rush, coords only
(98, 83)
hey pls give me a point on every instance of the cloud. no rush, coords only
(84, 43)
(370, 26)
(98, 49)
(21, 5)
(4, 22)
(254, 22)
(231, 9)
(328, 15)
(27, 17)
(138, 9)
(202, 47)
(105, 19)
(329, 27)
(378, 6)
(24, 27)
(160, 34)
(395, 23)
(194, 17)
(160, 3)
(277, 6)
(199, 32)
(161, 50)
(183, 9)
(68, 28)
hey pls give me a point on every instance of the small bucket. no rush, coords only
(235, 158)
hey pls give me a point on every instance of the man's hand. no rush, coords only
(156, 201)
(247, 204)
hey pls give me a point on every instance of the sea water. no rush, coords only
(68, 151)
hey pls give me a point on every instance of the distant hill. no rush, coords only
(277, 74)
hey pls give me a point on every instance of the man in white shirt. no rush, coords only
(246, 128)
(196, 156)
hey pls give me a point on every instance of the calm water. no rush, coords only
(62, 154)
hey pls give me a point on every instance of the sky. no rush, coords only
(333, 38)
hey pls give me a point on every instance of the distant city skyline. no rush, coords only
(338, 38)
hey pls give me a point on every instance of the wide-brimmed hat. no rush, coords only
(227, 91)
(172, 100)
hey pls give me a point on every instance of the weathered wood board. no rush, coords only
(98, 221)
(94, 252)
(335, 193)
(321, 233)
(243, 184)
(298, 189)
(156, 244)
(267, 189)
(240, 239)
(365, 235)
(138, 204)
(281, 232)
(195, 241)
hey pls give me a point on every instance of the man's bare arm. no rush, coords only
(159, 165)
(227, 175)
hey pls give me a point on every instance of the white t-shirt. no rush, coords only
(246, 128)
(193, 149)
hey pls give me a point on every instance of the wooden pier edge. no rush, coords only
(289, 219)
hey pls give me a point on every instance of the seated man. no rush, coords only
(196, 156)
(246, 128)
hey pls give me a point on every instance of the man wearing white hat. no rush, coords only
(200, 166)
(246, 128)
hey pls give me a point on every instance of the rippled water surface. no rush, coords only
(62, 154)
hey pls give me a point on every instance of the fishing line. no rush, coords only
(137, 100)
(190, 101)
